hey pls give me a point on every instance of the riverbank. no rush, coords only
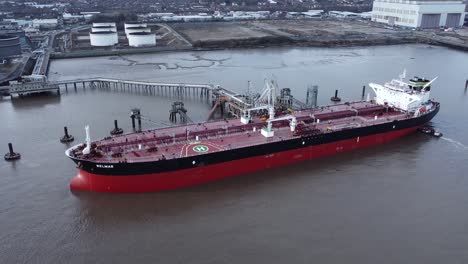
(115, 52)
(274, 33)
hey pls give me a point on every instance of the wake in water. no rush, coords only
(457, 144)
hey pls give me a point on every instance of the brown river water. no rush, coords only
(402, 202)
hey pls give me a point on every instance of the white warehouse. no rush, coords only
(419, 13)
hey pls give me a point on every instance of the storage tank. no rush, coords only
(134, 24)
(103, 29)
(138, 29)
(103, 38)
(104, 24)
(9, 46)
(141, 39)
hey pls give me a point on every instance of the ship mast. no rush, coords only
(266, 101)
(87, 150)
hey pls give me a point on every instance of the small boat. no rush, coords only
(437, 134)
(430, 131)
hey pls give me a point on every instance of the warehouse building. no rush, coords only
(420, 13)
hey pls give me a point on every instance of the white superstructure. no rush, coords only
(412, 97)
(419, 13)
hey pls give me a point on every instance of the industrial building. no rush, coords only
(9, 46)
(422, 14)
(50, 23)
(103, 38)
(141, 39)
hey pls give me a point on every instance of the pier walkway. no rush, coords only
(179, 90)
(219, 98)
(153, 88)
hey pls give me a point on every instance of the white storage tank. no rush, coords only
(137, 29)
(103, 29)
(103, 38)
(141, 39)
(9, 46)
(104, 24)
(134, 24)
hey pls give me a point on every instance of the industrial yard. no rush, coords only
(311, 32)
(320, 32)
(102, 40)
(77, 43)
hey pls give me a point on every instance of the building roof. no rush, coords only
(419, 1)
(140, 33)
(104, 27)
(137, 27)
(103, 32)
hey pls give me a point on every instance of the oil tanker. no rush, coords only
(263, 137)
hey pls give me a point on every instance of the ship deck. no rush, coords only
(208, 137)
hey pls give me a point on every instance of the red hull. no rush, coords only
(86, 181)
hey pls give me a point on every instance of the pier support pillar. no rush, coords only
(11, 155)
(335, 98)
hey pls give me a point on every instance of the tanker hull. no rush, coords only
(188, 169)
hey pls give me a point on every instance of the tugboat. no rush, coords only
(430, 131)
